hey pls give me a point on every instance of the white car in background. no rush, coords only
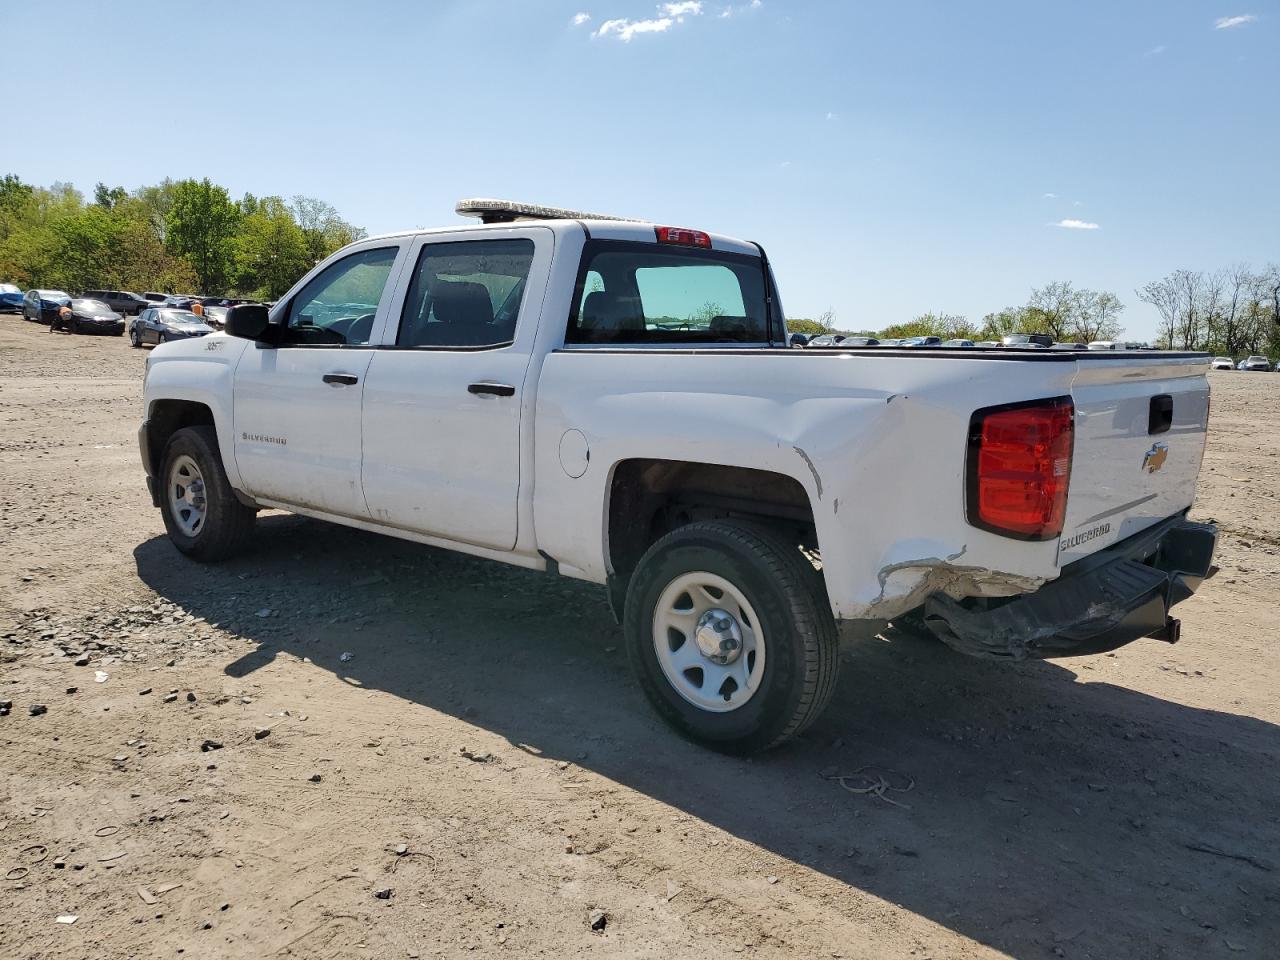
(1223, 363)
(1255, 364)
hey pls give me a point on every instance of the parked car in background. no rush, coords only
(92, 316)
(216, 316)
(1223, 363)
(1072, 345)
(42, 306)
(1105, 345)
(1027, 340)
(958, 342)
(891, 342)
(162, 324)
(121, 301)
(1255, 363)
(10, 298)
(987, 343)
(859, 342)
(826, 340)
(922, 342)
(154, 297)
(179, 301)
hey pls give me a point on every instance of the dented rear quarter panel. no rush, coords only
(878, 442)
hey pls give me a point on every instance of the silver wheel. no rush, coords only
(187, 502)
(709, 642)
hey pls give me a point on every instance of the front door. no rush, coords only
(442, 407)
(297, 404)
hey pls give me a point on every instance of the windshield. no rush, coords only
(90, 306)
(179, 316)
(646, 293)
(9, 288)
(53, 295)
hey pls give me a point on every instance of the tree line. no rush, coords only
(1234, 311)
(176, 236)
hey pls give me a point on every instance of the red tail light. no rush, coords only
(682, 237)
(1019, 468)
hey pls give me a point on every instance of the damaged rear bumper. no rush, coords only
(1104, 601)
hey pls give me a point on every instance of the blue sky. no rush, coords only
(892, 157)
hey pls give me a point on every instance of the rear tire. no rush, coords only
(778, 614)
(135, 341)
(202, 515)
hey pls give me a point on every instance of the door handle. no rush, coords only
(492, 389)
(340, 379)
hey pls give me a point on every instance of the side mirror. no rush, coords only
(249, 321)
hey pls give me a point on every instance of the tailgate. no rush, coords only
(1140, 425)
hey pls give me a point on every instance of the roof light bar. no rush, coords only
(509, 211)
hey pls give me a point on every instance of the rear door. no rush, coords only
(297, 404)
(444, 399)
(1140, 427)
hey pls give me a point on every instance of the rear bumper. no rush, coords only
(1099, 603)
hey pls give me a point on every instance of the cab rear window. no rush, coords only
(638, 293)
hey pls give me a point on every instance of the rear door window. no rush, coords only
(644, 293)
(466, 294)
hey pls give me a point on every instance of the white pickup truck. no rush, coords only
(614, 401)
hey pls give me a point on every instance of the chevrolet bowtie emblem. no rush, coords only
(1155, 457)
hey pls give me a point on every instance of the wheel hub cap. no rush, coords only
(709, 642)
(718, 636)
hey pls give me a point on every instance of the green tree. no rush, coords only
(323, 231)
(15, 199)
(270, 250)
(201, 227)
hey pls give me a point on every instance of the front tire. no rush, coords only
(202, 515)
(135, 340)
(730, 634)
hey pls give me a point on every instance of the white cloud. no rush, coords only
(669, 14)
(1226, 23)
(580, 18)
(1156, 51)
(1076, 203)
(1075, 225)
(831, 116)
(1050, 196)
(624, 30)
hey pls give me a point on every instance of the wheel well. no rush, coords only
(167, 418)
(650, 498)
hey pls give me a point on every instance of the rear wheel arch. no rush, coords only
(647, 498)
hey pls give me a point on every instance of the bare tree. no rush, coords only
(1096, 317)
(1054, 307)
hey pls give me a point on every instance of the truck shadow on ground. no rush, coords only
(1050, 816)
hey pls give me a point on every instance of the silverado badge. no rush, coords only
(1155, 457)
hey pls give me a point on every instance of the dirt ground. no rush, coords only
(484, 756)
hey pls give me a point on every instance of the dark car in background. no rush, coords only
(121, 301)
(10, 298)
(162, 324)
(153, 297)
(92, 316)
(215, 315)
(42, 306)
